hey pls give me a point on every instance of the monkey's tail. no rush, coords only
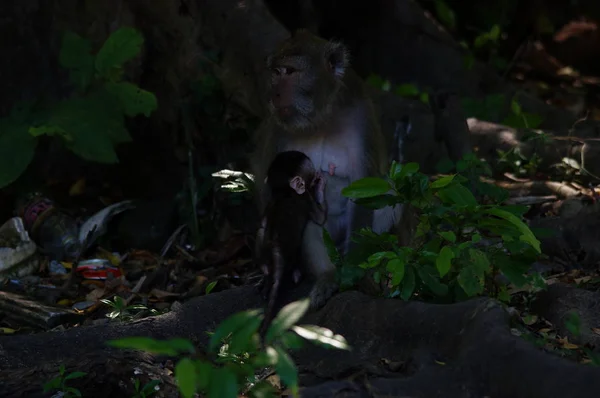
(278, 272)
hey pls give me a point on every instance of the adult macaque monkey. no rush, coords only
(318, 106)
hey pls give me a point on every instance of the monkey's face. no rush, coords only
(306, 74)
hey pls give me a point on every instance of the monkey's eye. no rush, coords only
(283, 70)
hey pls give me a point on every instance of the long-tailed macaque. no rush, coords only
(318, 106)
(297, 197)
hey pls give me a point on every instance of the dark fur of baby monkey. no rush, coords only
(297, 193)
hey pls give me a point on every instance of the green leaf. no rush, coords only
(147, 344)
(479, 261)
(223, 384)
(526, 234)
(427, 275)
(210, 287)
(75, 55)
(52, 384)
(185, 374)
(133, 99)
(458, 195)
(366, 188)
(75, 375)
(287, 317)
(262, 389)
(395, 169)
(230, 326)
(378, 202)
(515, 107)
(321, 336)
(291, 341)
(408, 283)
(181, 345)
(407, 90)
(445, 14)
(17, 148)
(286, 370)
(448, 235)
(443, 261)
(573, 323)
(121, 46)
(375, 259)
(469, 281)
(495, 33)
(148, 388)
(442, 182)
(513, 270)
(203, 374)
(409, 169)
(396, 267)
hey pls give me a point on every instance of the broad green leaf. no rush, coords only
(286, 318)
(515, 107)
(367, 187)
(407, 90)
(396, 267)
(495, 32)
(321, 336)
(121, 46)
(181, 345)
(378, 202)
(203, 374)
(185, 374)
(427, 275)
(375, 81)
(469, 281)
(133, 99)
(147, 344)
(527, 235)
(223, 384)
(286, 370)
(408, 283)
(230, 326)
(445, 14)
(448, 235)
(395, 169)
(148, 388)
(75, 375)
(424, 98)
(513, 270)
(442, 182)
(443, 262)
(75, 55)
(17, 148)
(479, 261)
(291, 341)
(409, 169)
(210, 287)
(458, 195)
(375, 259)
(52, 384)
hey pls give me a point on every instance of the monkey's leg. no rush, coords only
(319, 265)
(276, 280)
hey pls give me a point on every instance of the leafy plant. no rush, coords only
(59, 383)
(406, 90)
(147, 390)
(91, 121)
(461, 245)
(229, 369)
(122, 311)
(492, 106)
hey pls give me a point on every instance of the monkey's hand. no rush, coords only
(319, 185)
(325, 287)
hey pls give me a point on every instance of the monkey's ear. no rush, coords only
(297, 184)
(336, 58)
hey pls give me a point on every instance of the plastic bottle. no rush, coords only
(55, 233)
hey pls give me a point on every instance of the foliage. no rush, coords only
(91, 121)
(122, 311)
(406, 90)
(461, 245)
(492, 106)
(229, 368)
(59, 383)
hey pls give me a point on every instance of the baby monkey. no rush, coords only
(297, 196)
